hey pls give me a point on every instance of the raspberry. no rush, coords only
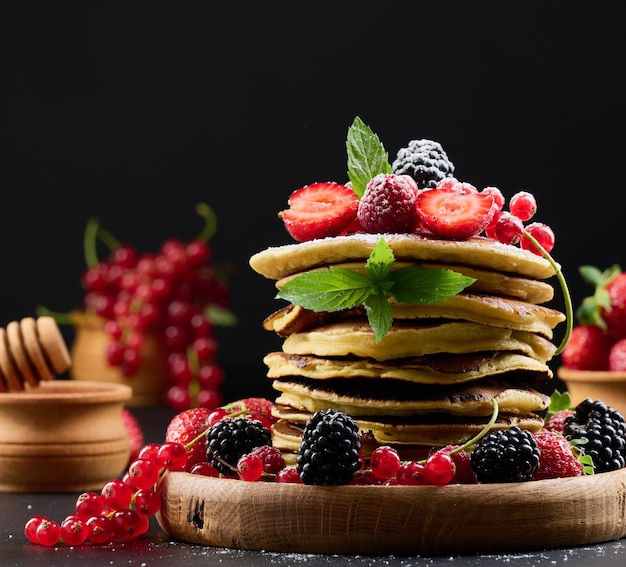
(602, 431)
(229, 439)
(557, 421)
(464, 473)
(271, 457)
(388, 204)
(558, 459)
(587, 349)
(507, 455)
(329, 450)
(425, 161)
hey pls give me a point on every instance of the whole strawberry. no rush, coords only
(259, 408)
(463, 474)
(558, 459)
(617, 356)
(615, 314)
(556, 422)
(587, 349)
(187, 426)
(388, 204)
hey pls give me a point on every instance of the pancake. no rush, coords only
(433, 431)
(434, 369)
(281, 261)
(493, 283)
(372, 397)
(485, 309)
(406, 340)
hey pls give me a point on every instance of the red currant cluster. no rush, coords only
(171, 294)
(121, 510)
(508, 226)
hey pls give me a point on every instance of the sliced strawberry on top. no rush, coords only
(320, 210)
(448, 213)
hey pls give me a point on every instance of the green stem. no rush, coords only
(60, 318)
(569, 309)
(89, 242)
(210, 222)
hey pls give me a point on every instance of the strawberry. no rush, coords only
(615, 314)
(558, 459)
(556, 421)
(186, 426)
(453, 214)
(587, 349)
(257, 407)
(388, 204)
(617, 356)
(136, 438)
(319, 210)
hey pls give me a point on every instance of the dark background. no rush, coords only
(134, 112)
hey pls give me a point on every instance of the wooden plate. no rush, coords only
(398, 520)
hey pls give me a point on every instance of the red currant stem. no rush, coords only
(61, 318)
(482, 432)
(210, 222)
(89, 242)
(227, 465)
(569, 310)
(479, 435)
(191, 443)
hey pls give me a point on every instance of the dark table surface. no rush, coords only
(155, 548)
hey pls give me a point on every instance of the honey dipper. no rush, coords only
(31, 350)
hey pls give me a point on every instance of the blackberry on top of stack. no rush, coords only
(415, 303)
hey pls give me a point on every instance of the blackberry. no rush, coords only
(229, 439)
(425, 161)
(329, 450)
(507, 455)
(602, 431)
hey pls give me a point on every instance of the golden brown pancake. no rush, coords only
(485, 309)
(406, 340)
(372, 397)
(410, 436)
(434, 369)
(487, 282)
(281, 261)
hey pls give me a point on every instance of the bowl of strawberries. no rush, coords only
(593, 363)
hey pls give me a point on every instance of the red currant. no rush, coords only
(172, 456)
(385, 462)
(439, 469)
(147, 502)
(205, 469)
(508, 229)
(116, 494)
(48, 533)
(89, 504)
(73, 530)
(523, 205)
(30, 528)
(99, 529)
(250, 468)
(410, 473)
(542, 233)
(143, 473)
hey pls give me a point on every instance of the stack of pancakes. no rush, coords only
(430, 381)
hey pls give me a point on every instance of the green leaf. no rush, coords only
(558, 402)
(426, 285)
(366, 156)
(379, 315)
(380, 261)
(331, 289)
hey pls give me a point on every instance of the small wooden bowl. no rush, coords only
(610, 387)
(62, 436)
(394, 520)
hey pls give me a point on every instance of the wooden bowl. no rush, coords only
(394, 520)
(89, 362)
(610, 387)
(62, 436)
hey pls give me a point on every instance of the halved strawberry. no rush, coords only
(319, 210)
(448, 213)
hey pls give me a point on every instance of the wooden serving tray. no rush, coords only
(394, 520)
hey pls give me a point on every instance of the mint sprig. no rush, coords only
(336, 289)
(366, 156)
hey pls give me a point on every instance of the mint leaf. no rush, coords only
(379, 314)
(366, 156)
(558, 402)
(332, 289)
(426, 285)
(380, 261)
